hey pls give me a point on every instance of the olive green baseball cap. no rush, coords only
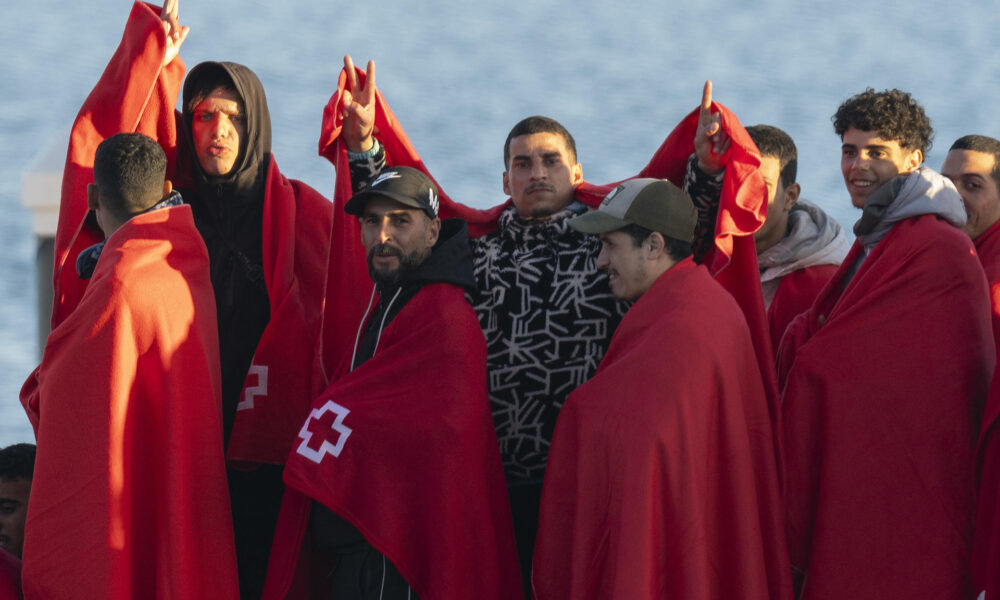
(655, 204)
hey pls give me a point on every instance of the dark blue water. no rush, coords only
(460, 74)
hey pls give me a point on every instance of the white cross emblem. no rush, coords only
(316, 454)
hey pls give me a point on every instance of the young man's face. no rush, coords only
(396, 237)
(218, 127)
(13, 510)
(970, 171)
(779, 202)
(541, 174)
(625, 264)
(868, 160)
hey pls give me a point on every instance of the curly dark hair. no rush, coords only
(894, 114)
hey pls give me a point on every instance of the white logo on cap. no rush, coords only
(614, 192)
(432, 200)
(384, 176)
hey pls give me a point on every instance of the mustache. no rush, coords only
(540, 186)
(384, 250)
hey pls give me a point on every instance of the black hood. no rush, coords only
(450, 260)
(245, 183)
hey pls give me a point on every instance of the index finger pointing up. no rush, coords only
(352, 76)
(706, 96)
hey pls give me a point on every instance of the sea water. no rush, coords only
(459, 74)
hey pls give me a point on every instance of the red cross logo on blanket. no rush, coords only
(321, 421)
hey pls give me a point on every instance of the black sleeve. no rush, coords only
(705, 191)
(366, 165)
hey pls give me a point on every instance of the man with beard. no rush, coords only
(267, 239)
(405, 484)
(799, 247)
(886, 376)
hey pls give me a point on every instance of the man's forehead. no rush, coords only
(962, 161)
(538, 143)
(867, 139)
(221, 99)
(381, 205)
(14, 489)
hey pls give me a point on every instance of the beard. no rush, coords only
(408, 262)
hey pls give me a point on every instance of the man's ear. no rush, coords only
(506, 184)
(167, 188)
(792, 195)
(576, 174)
(433, 232)
(93, 201)
(913, 160)
(655, 245)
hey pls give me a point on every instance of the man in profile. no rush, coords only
(799, 247)
(973, 165)
(886, 376)
(662, 465)
(129, 491)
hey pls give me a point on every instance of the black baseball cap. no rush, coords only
(405, 185)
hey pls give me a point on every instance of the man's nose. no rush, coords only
(384, 233)
(602, 260)
(538, 170)
(221, 126)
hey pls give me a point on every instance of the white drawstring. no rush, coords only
(384, 315)
(360, 327)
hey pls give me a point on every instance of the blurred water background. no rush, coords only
(460, 74)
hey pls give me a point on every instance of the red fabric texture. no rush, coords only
(885, 384)
(732, 261)
(10, 576)
(129, 495)
(403, 447)
(796, 293)
(986, 545)
(661, 480)
(137, 94)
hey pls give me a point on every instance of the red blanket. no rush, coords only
(885, 388)
(136, 94)
(986, 546)
(403, 447)
(10, 577)
(796, 293)
(129, 496)
(733, 261)
(670, 491)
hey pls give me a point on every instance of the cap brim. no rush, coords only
(596, 221)
(356, 204)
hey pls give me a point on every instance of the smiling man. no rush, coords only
(661, 468)
(405, 487)
(886, 376)
(973, 165)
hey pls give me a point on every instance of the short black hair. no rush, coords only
(772, 141)
(675, 248)
(894, 114)
(129, 171)
(17, 462)
(984, 144)
(538, 124)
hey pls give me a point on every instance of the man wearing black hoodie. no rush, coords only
(267, 239)
(408, 249)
